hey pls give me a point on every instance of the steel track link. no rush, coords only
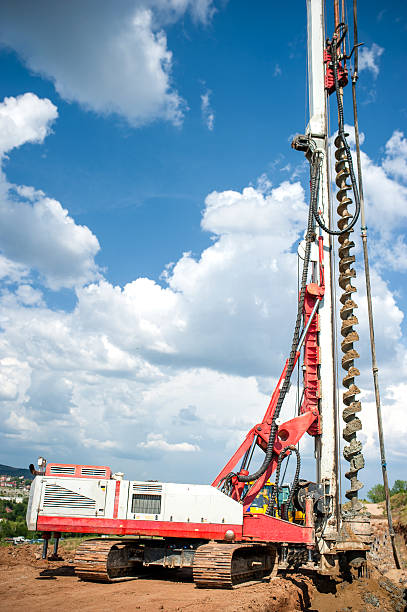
(105, 560)
(228, 566)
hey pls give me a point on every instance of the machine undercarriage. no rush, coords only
(214, 564)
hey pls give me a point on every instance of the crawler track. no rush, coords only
(227, 566)
(215, 565)
(106, 560)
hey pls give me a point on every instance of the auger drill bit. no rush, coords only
(352, 452)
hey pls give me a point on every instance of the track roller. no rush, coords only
(227, 566)
(107, 560)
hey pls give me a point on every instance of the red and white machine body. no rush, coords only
(87, 499)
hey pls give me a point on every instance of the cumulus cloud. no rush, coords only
(385, 195)
(208, 114)
(240, 280)
(14, 379)
(36, 232)
(395, 161)
(110, 57)
(10, 271)
(385, 192)
(30, 230)
(157, 442)
(135, 359)
(25, 118)
(141, 373)
(394, 425)
(369, 58)
(382, 192)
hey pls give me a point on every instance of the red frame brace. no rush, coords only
(290, 432)
(329, 73)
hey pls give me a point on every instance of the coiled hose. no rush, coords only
(341, 136)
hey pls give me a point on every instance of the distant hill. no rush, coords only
(7, 470)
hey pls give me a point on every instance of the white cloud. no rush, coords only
(157, 442)
(229, 287)
(29, 296)
(208, 114)
(25, 118)
(263, 184)
(394, 424)
(395, 162)
(127, 360)
(35, 231)
(19, 426)
(31, 231)
(369, 58)
(12, 271)
(14, 379)
(110, 57)
(385, 195)
(277, 70)
(100, 444)
(183, 366)
(201, 10)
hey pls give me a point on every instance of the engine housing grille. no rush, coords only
(56, 496)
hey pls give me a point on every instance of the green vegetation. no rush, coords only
(13, 515)
(399, 507)
(400, 486)
(376, 493)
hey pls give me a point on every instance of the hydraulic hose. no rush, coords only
(342, 136)
(275, 489)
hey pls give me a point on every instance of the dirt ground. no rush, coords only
(29, 583)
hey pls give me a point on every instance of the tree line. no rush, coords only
(376, 493)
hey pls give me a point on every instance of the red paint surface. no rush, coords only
(312, 387)
(116, 499)
(256, 527)
(238, 455)
(329, 73)
(293, 430)
(261, 431)
(290, 432)
(78, 469)
(263, 528)
(167, 529)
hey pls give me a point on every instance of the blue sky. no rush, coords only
(166, 139)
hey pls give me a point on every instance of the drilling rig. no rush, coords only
(213, 528)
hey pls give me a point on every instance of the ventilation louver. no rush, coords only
(62, 469)
(147, 487)
(59, 497)
(95, 472)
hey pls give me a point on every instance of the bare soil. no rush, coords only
(29, 583)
